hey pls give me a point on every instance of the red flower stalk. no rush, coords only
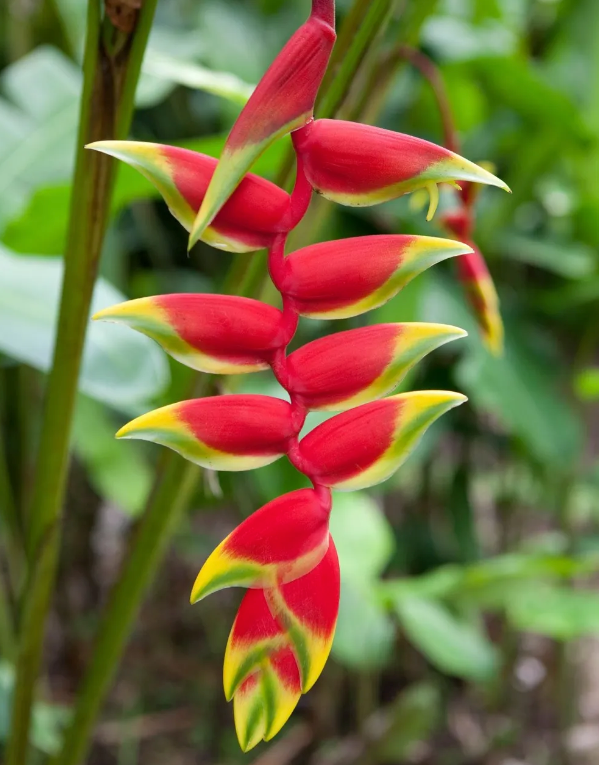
(472, 268)
(283, 552)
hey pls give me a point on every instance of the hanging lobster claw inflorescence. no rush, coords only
(283, 552)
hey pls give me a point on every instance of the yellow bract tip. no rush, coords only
(149, 425)
(129, 311)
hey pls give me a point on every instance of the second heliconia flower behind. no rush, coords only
(283, 553)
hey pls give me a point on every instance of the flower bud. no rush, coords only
(219, 334)
(237, 432)
(249, 220)
(266, 699)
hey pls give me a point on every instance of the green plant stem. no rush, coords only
(10, 522)
(347, 33)
(167, 504)
(374, 20)
(111, 68)
(7, 625)
(381, 73)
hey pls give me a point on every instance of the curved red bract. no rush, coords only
(231, 328)
(240, 424)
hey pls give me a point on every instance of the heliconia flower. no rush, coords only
(295, 621)
(366, 445)
(283, 101)
(236, 432)
(282, 541)
(347, 277)
(480, 289)
(249, 220)
(355, 164)
(220, 334)
(345, 369)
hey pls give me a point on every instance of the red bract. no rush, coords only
(474, 275)
(249, 219)
(481, 292)
(278, 646)
(335, 280)
(373, 360)
(355, 164)
(221, 334)
(366, 445)
(283, 552)
(283, 540)
(283, 101)
(222, 433)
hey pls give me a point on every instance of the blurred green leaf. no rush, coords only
(365, 633)
(456, 39)
(38, 117)
(454, 646)
(414, 716)
(192, 75)
(522, 392)
(362, 534)
(441, 582)
(520, 84)
(560, 613)
(521, 388)
(49, 720)
(586, 384)
(118, 472)
(573, 260)
(120, 367)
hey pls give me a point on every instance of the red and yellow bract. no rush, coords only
(283, 553)
(247, 221)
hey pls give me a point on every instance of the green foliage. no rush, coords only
(123, 369)
(453, 645)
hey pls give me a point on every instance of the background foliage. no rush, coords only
(469, 610)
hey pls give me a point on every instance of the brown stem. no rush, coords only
(429, 70)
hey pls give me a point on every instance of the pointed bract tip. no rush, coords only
(444, 330)
(107, 147)
(438, 247)
(121, 311)
(462, 169)
(147, 425)
(433, 398)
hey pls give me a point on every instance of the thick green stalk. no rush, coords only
(9, 521)
(7, 626)
(161, 518)
(111, 68)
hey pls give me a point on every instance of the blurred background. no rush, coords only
(469, 615)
